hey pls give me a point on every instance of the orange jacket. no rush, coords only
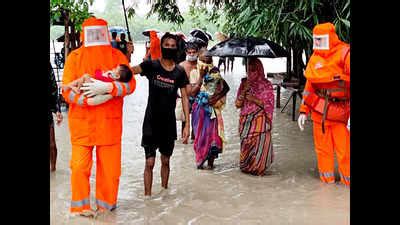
(101, 124)
(327, 69)
(155, 46)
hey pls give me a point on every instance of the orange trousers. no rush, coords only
(108, 171)
(335, 139)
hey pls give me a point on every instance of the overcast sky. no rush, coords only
(98, 6)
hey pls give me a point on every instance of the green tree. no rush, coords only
(288, 22)
(72, 13)
(192, 19)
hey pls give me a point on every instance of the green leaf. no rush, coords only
(130, 12)
(346, 22)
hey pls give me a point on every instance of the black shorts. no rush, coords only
(165, 149)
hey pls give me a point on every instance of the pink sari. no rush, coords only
(256, 153)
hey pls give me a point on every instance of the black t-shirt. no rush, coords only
(159, 125)
(122, 46)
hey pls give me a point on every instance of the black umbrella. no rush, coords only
(209, 36)
(117, 29)
(62, 37)
(200, 34)
(196, 40)
(248, 47)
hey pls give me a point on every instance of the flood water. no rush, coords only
(291, 193)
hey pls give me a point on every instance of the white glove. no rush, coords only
(96, 87)
(348, 124)
(98, 99)
(300, 121)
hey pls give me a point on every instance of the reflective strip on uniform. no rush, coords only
(345, 178)
(119, 88)
(80, 100)
(127, 87)
(327, 174)
(71, 96)
(80, 203)
(105, 205)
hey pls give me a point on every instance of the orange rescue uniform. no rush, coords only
(155, 46)
(328, 80)
(91, 126)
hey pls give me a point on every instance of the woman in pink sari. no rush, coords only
(255, 98)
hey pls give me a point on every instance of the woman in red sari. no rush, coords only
(255, 98)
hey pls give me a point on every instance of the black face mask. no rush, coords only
(169, 53)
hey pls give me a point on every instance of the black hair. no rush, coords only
(192, 45)
(122, 35)
(168, 35)
(114, 34)
(125, 73)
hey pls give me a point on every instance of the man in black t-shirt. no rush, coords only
(122, 44)
(159, 125)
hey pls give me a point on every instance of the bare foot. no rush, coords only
(210, 167)
(185, 142)
(52, 168)
(163, 191)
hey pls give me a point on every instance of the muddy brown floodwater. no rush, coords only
(290, 194)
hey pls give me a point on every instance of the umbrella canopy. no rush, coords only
(147, 31)
(62, 37)
(209, 36)
(248, 47)
(117, 29)
(199, 42)
(200, 34)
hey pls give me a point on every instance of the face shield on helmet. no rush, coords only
(321, 42)
(96, 35)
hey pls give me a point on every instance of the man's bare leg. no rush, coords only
(183, 126)
(53, 150)
(164, 170)
(148, 175)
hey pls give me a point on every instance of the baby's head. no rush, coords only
(123, 73)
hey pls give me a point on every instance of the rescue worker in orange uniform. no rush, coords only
(153, 47)
(327, 96)
(97, 126)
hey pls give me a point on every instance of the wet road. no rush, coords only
(290, 194)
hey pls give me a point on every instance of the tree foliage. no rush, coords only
(191, 19)
(288, 22)
(76, 10)
(167, 10)
(71, 13)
